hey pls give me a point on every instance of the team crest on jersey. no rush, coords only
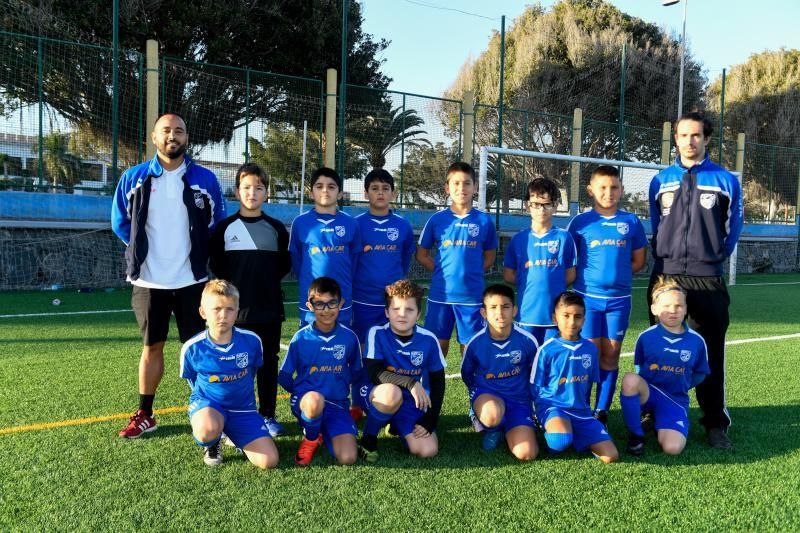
(516, 357)
(392, 233)
(199, 201)
(340, 231)
(473, 230)
(623, 228)
(416, 357)
(685, 355)
(338, 351)
(586, 360)
(552, 247)
(708, 200)
(241, 359)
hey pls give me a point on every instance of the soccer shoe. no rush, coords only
(212, 456)
(274, 427)
(305, 453)
(476, 424)
(648, 422)
(602, 417)
(139, 424)
(718, 438)
(356, 413)
(635, 444)
(491, 439)
(367, 455)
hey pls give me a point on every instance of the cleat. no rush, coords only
(274, 427)
(476, 424)
(139, 424)
(718, 438)
(212, 456)
(305, 453)
(635, 444)
(391, 430)
(602, 417)
(648, 422)
(356, 413)
(370, 456)
(491, 439)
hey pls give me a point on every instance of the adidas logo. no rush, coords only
(234, 239)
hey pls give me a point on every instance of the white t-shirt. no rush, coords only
(167, 264)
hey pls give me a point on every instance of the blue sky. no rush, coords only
(429, 45)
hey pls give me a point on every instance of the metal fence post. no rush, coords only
(40, 68)
(151, 106)
(666, 142)
(247, 115)
(330, 118)
(402, 148)
(621, 119)
(468, 125)
(115, 95)
(575, 168)
(722, 118)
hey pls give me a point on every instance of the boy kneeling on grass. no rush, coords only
(220, 365)
(670, 358)
(406, 369)
(322, 360)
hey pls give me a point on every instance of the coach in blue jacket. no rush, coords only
(696, 215)
(164, 211)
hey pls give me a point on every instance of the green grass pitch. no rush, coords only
(83, 477)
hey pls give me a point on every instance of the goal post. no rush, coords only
(483, 171)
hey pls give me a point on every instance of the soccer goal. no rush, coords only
(574, 163)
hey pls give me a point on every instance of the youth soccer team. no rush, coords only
(529, 362)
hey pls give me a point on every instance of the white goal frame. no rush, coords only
(483, 168)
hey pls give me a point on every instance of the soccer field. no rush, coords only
(68, 384)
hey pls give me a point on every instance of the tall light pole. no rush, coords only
(683, 50)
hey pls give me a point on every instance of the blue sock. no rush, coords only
(558, 442)
(311, 426)
(375, 420)
(632, 413)
(605, 389)
(209, 443)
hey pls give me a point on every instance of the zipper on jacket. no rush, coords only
(689, 198)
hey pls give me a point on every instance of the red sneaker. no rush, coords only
(306, 451)
(139, 424)
(356, 413)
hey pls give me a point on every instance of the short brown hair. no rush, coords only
(404, 288)
(605, 170)
(220, 287)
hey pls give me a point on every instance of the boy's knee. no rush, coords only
(387, 398)
(426, 452)
(525, 452)
(630, 383)
(673, 447)
(312, 404)
(265, 461)
(558, 442)
(347, 457)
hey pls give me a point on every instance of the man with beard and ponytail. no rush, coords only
(164, 211)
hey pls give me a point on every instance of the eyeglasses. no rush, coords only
(536, 206)
(319, 305)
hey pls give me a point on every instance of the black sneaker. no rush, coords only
(648, 422)
(718, 438)
(602, 417)
(635, 444)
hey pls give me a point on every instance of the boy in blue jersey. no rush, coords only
(325, 242)
(465, 240)
(611, 246)
(387, 248)
(669, 360)
(540, 261)
(220, 365)
(496, 365)
(563, 372)
(318, 370)
(406, 370)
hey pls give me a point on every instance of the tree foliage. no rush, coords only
(377, 134)
(423, 174)
(61, 166)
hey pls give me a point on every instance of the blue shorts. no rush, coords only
(335, 419)
(586, 429)
(406, 417)
(365, 316)
(516, 413)
(440, 318)
(606, 318)
(307, 317)
(242, 427)
(542, 333)
(668, 413)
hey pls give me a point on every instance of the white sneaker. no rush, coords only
(213, 455)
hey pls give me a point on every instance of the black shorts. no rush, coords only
(153, 308)
(270, 335)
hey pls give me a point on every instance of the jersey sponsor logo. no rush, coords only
(325, 368)
(528, 263)
(226, 378)
(516, 371)
(380, 248)
(392, 234)
(199, 201)
(340, 231)
(623, 228)
(326, 249)
(708, 200)
(552, 247)
(403, 371)
(459, 242)
(242, 359)
(685, 355)
(473, 230)
(655, 367)
(574, 379)
(619, 243)
(586, 360)
(416, 357)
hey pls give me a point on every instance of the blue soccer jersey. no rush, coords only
(416, 357)
(223, 373)
(605, 245)
(322, 362)
(501, 367)
(388, 245)
(672, 362)
(325, 245)
(541, 263)
(459, 243)
(563, 374)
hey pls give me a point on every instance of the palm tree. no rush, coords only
(62, 167)
(378, 134)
